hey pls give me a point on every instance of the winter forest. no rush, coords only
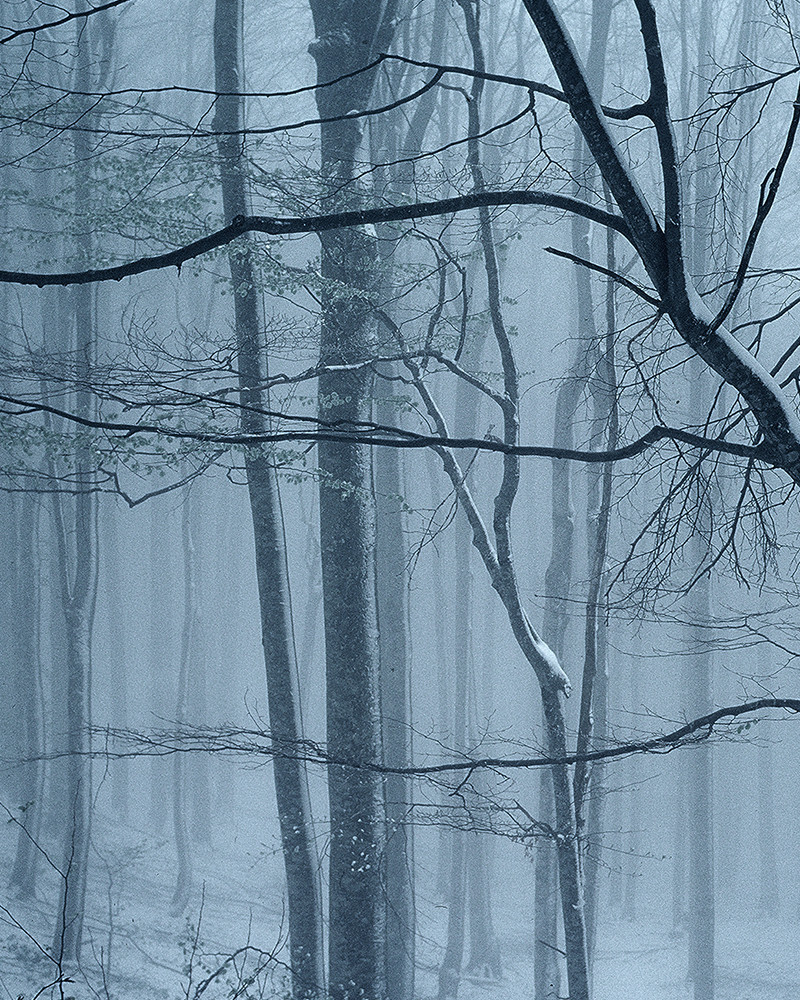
(400, 428)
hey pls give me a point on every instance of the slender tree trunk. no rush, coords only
(679, 858)
(120, 652)
(484, 963)
(700, 780)
(452, 961)
(633, 846)
(291, 788)
(445, 696)
(594, 690)
(701, 813)
(183, 884)
(395, 705)
(768, 895)
(24, 617)
(160, 652)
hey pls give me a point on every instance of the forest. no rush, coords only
(400, 429)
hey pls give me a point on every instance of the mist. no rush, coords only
(400, 450)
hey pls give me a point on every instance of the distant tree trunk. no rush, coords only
(348, 35)
(160, 652)
(484, 961)
(119, 652)
(700, 784)
(633, 823)
(77, 551)
(679, 859)
(701, 813)
(183, 884)
(78, 556)
(200, 778)
(392, 592)
(768, 895)
(445, 698)
(24, 620)
(291, 787)
(452, 961)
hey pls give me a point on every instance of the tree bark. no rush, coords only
(348, 34)
(77, 554)
(291, 789)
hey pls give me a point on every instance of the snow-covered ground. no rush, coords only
(136, 949)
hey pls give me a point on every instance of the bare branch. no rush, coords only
(73, 16)
(272, 226)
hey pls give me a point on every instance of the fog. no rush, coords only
(400, 449)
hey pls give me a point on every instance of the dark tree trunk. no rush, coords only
(291, 788)
(77, 549)
(348, 34)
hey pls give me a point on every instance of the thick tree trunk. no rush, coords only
(78, 571)
(291, 789)
(347, 36)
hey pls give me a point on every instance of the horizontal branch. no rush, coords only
(384, 436)
(533, 86)
(272, 226)
(242, 741)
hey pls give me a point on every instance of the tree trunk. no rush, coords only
(484, 963)
(291, 788)
(700, 787)
(77, 546)
(160, 653)
(348, 34)
(26, 701)
(392, 592)
(453, 959)
(768, 895)
(120, 652)
(183, 884)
